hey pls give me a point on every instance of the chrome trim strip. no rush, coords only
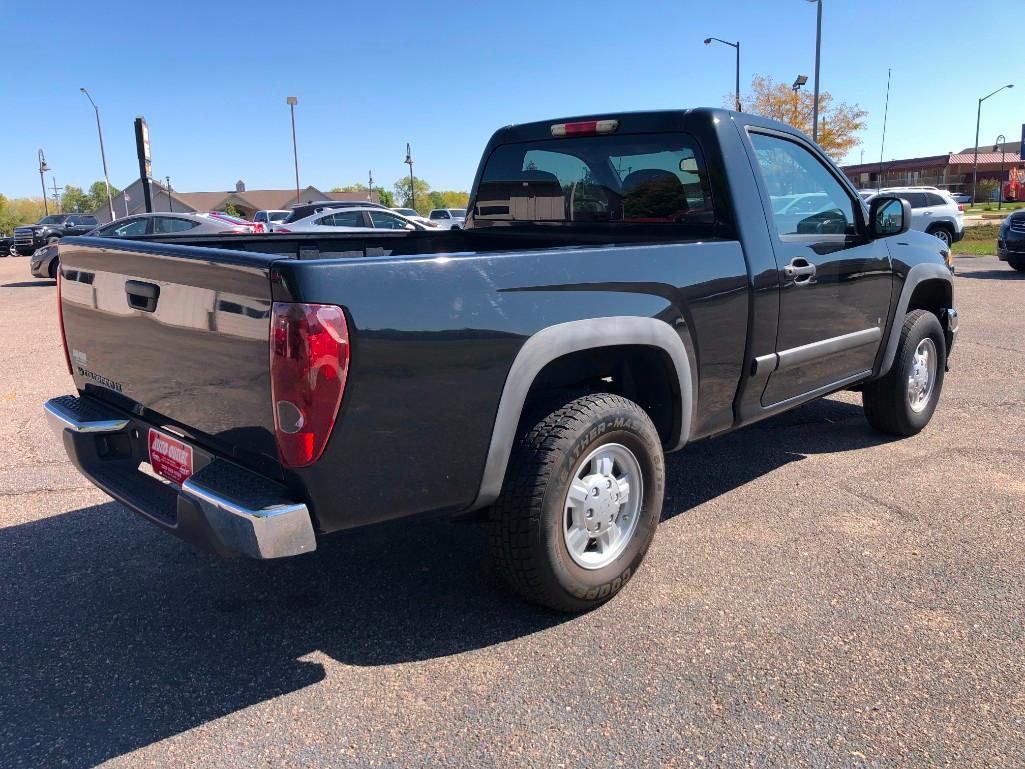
(277, 531)
(797, 356)
(765, 364)
(61, 420)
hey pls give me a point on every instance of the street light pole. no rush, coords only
(103, 154)
(292, 101)
(170, 200)
(1001, 140)
(818, 58)
(412, 189)
(736, 45)
(978, 119)
(43, 168)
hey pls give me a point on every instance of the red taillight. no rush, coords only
(960, 206)
(60, 322)
(585, 128)
(258, 227)
(309, 363)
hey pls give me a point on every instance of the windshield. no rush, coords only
(641, 179)
(53, 219)
(406, 211)
(277, 216)
(458, 213)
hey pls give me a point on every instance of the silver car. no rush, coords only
(44, 261)
(353, 219)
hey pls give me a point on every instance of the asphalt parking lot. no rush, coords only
(817, 596)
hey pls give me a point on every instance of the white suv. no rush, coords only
(932, 211)
(448, 218)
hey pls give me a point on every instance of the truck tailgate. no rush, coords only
(178, 335)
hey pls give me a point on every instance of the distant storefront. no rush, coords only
(952, 171)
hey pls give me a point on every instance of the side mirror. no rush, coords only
(889, 215)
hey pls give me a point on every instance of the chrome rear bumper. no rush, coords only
(222, 507)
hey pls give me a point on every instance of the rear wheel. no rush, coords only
(1016, 264)
(581, 502)
(902, 402)
(54, 264)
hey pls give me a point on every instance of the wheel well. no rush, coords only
(931, 295)
(645, 375)
(941, 226)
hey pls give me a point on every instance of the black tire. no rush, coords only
(54, 264)
(945, 234)
(887, 402)
(1016, 264)
(527, 521)
(52, 239)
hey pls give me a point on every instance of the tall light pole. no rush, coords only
(370, 197)
(103, 154)
(818, 58)
(170, 200)
(292, 101)
(43, 168)
(736, 45)
(412, 189)
(1001, 140)
(978, 119)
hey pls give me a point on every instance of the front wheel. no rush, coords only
(902, 402)
(1016, 264)
(581, 502)
(944, 235)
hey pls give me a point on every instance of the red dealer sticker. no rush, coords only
(170, 458)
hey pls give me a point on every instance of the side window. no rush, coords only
(261, 216)
(124, 229)
(88, 221)
(384, 220)
(168, 224)
(71, 221)
(816, 203)
(343, 219)
(915, 199)
(932, 199)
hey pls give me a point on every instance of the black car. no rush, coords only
(302, 210)
(1011, 241)
(6, 244)
(50, 229)
(623, 287)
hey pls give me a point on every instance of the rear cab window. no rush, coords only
(640, 180)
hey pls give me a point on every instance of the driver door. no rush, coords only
(834, 279)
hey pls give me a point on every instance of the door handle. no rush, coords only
(141, 295)
(800, 270)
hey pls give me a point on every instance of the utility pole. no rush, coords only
(43, 168)
(412, 189)
(292, 101)
(170, 200)
(370, 196)
(818, 57)
(56, 195)
(103, 154)
(882, 145)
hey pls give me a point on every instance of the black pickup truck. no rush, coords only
(624, 285)
(50, 229)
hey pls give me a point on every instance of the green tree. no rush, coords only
(232, 210)
(15, 212)
(453, 199)
(422, 190)
(74, 201)
(383, 196)
(98, 195)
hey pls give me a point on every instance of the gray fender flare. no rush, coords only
(559, 340)
(916, 275)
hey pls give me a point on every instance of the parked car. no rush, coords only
(6, 245)
(621, 289)
(932, 211)
(236, 223)
(45, 260)
(304, 210)
(410, 213)
(50, 229)
(448, 218)
(350, 219)
(268, 218)
(1011, 241)
(962, 198)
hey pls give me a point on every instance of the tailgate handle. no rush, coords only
(141, 295)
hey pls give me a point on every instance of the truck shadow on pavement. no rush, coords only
(30, 284)
(1004, 274)
(114, 636)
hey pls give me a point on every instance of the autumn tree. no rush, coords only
(839, 123)
(15, 212)
(384, 196)
(422, 190)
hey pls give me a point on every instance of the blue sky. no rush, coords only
(212, 82)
